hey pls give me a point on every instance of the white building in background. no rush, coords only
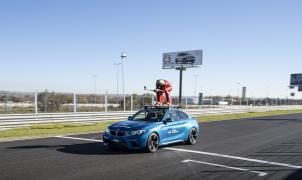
(294, 93)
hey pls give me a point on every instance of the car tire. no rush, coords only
(192, 136)
(152, 143)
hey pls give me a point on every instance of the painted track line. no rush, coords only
(45, 137)
(235, 157)
(201, 152)
(81, 139)
(227, 167)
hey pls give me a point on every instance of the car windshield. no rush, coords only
(154, 115)
(182, 54)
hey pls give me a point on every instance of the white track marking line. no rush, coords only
(290, 144)
(43, 137)
(228, 167)
(201, 152)
(235, 157)
(81, 139)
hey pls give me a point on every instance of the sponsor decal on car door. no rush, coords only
(173, 131)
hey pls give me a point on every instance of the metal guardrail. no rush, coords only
(9, 121)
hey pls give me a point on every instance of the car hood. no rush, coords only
(131, 125)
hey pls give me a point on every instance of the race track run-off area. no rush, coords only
(255, 148)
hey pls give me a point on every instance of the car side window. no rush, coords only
(168, 115)
(183, 116)
(175, 115)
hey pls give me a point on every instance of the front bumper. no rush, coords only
(131, 142)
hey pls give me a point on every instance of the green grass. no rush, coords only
(71, 128)
(53, 129)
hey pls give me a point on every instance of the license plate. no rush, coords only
(116, 140)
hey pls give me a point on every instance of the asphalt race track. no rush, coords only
(258, 148)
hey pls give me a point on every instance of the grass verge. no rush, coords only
(64, 129)
(245, 115)
(53, 130)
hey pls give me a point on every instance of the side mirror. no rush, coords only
(168, 120)
(129, 117)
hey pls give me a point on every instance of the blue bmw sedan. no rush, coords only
(152, 127)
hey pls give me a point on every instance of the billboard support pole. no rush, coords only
(180, 85)
(181, 69)
(180, 61)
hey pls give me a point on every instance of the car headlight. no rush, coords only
(138, 132)
(107, 131)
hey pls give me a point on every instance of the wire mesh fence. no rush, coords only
(11, 102)
(58, 102)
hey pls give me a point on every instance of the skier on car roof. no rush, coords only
(163, 86)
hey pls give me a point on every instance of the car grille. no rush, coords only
(117, 133)
(121, 133)
(113, 133)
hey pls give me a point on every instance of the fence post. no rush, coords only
(186, 102)
(6, 103)
(74, 102)
(131, 102)
(211, 103)
(36, 102)
(106, 101)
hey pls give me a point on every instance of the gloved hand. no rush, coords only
(158, 90)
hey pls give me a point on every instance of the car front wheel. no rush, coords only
(153, 143)
(192, 137)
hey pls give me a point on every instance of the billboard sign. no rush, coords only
(296, 79)
(186, 59)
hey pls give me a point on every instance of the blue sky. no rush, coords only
(60, 44)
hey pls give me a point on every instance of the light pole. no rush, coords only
(94, 77)
(195, 80)
(117, 80)
(123, 56)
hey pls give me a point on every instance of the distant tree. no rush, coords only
(52, 102)
(2, 98)
(82, 99)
